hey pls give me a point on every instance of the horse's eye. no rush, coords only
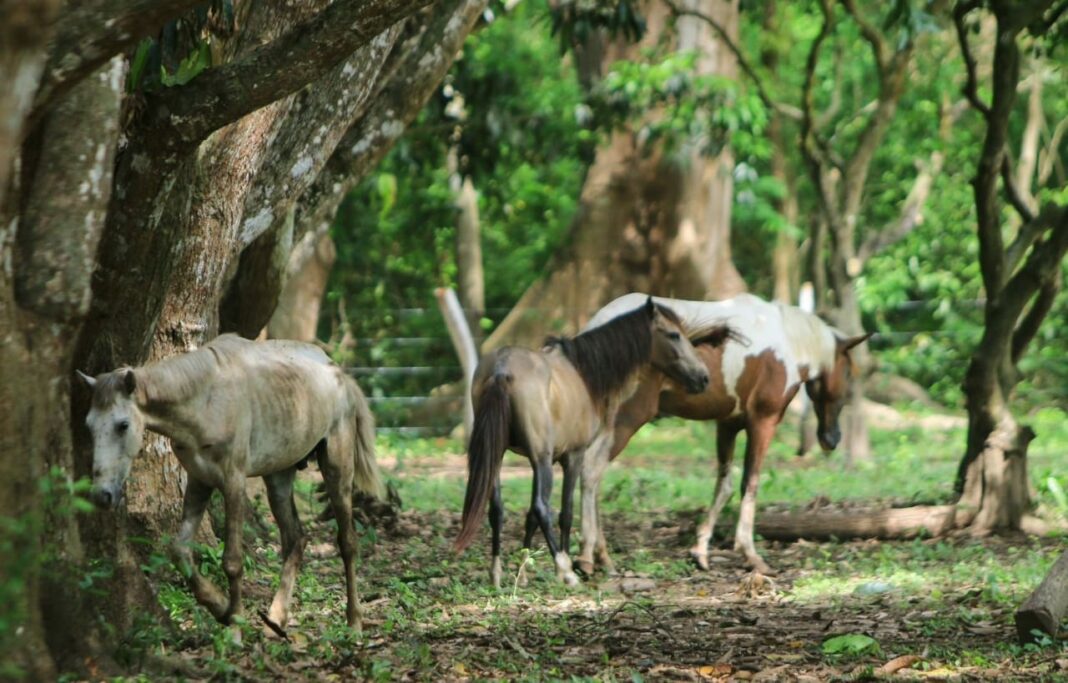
(674, 336)
(122, 426)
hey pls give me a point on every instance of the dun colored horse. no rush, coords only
(552, 403)
(235, 409)
(751, 385)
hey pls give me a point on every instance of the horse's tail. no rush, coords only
(367, 476)
(489, 440)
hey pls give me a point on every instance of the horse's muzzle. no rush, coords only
(106, 496)
(697, 383)
(829, 440)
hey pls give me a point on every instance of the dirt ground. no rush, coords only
(432, 616)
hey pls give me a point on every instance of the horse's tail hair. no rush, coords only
(367, 476)
(485, 452)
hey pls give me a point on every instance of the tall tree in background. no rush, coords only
(179, 175)
(1021, 266)
(649, 219)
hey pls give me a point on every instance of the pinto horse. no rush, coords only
(751, 385)
(235, 409)
(553, 403)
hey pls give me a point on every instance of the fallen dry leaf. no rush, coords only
(896, 664)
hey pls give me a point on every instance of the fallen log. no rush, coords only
(1045, 608)
(892, 523)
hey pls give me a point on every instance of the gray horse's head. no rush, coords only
(118, 428)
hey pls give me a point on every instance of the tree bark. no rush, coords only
(62, 190)
(644, 223)
(1047, 606)
(297, 314)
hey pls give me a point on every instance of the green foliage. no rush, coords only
(670, 106)
(574, 21)
(25, 551)
(850, 644)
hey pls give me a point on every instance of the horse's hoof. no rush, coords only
(495, 573)
(584, 567)
(570, 578)
(760, 566)
(700, 559)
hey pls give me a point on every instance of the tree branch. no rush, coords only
(1043, 260)
(183, 116)
(813, 148)
(414, 78)
(1012, 192)
(872, 35)
(782, 108)
(1029, 326)
(89, 34)
(971, 85)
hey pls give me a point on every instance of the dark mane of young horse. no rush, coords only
(606, 356)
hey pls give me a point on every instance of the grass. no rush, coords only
(432, 615)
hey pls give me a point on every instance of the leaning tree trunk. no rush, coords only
(297, 315)
(644, 223)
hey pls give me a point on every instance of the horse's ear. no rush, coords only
(650, 306)
(850, 342)
(89, 381)
(129, 382)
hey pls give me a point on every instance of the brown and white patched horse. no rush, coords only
(752, 383)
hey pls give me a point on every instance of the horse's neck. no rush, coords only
(168, 394)
(810, 341)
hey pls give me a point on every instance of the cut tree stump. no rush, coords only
(1046, 607)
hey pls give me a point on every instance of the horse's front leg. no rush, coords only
(194, 503)
(594, 463)
(759, 433)
(233, 560)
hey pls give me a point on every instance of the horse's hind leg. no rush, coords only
(194, 503)
(336, 464)
(543, 489)
(496, 518)
(572, 463)
(759, 433)
(233, 560)
(726, 435)
(280, 497)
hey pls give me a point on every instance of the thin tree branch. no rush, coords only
(1012, 192)
(1032, 321)
(833, 107)
(89, 34)
(971, 85)
(872, 35)
(813, 147)
(1041, 262)
(786, 110)
(1049, 157)
(183, 116)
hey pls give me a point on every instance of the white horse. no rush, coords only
(235, 409)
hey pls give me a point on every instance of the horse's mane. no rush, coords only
(181, 376)
(606, 356)
(807, 331)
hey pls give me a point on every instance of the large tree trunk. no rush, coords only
(1021, 278)
(645, 222)
(62, 191)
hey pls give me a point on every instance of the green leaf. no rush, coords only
(850, 644)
